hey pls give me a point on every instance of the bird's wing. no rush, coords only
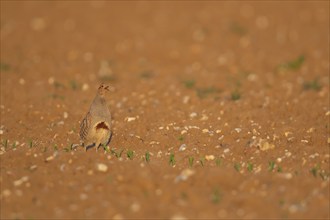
(85, 125)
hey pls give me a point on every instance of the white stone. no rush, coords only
(102, 167)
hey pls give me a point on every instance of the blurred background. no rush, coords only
(244, 84)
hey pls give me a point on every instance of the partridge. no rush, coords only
(95, 128)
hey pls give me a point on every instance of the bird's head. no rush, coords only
(103, 89)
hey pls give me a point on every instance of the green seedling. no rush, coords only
(55, 147)
(191, 161)
(14, 144)
(205, 92)
(315, 170)
(147, 74)
(56, 96)
(271, 166)
(30, 143)
(184, 195)
(181, 138)
(237, 29)
(5, 143)
(69, 148)
(236, 95)
(120, 152)
(250, 167)
(4, 66)
(146, 194)
(279, 169)
(189, 83)
(147, 156)
(324, 176)
(172, 159)
(58, 85)
(106, 148)
(218, 162)
(45, 149)
(216, 196)
(312, 85)
(237, 167)
(73, 85)
(110, 179)
(202, 161)
(293, 64)
(118, 155)
(130, 154)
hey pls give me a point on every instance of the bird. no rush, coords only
(95, 128)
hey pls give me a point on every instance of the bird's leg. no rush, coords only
(84, 146)
(97, 146)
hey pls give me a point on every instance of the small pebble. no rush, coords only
(209, 157)
(185, 99)
(33, 167)
(102, 167)
(158, 192)
(21, 81)
(118, 217)
(204, 117)
(288, 154)
(51, 80)
(6, 193)
(183, 132)
(226, 150)
(205, 130)
(83, 196)
(135, 207)
(222, 60)
(183, 147)
(50, 158)
(285, 175)
(184, 175)
(311, 130)
(193, 115)
(21, 181)
(65, 115)
(85, 87)
(129, 119)
(287, 133)
(178, 217)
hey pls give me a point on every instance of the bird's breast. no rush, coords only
(102, 125)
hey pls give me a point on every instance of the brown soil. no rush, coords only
(245, 86)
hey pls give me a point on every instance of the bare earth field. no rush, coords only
(220, 109)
